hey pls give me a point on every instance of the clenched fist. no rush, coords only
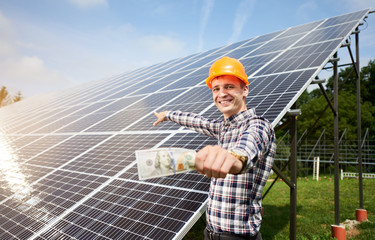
(214, 161)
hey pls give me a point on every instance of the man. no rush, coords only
(241, 162)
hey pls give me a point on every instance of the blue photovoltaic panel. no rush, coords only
(67, 163)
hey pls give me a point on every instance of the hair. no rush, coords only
(242, 84)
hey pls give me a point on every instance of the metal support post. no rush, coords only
(293, 177)
(336, 140)
(361, 213)
(359, 132)
(327, 98)
(292, 114)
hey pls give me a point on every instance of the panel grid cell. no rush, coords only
(66, 151)
(129, 209)
(45, 201)
(112, 156)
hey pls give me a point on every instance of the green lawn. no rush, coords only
(315, 210)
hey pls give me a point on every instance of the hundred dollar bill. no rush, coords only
(159, 162)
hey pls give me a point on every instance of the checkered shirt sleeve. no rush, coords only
(234, 203)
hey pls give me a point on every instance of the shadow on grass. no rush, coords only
(275, 220)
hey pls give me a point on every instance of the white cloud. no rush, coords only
(131, 48)
(6, 48)
(20, 71)
(243, 12)
(206, 12)
(88, 3)
(29, 69)
(29, 75)
(36, 58)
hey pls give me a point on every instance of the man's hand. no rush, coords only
(161, 117)
(214, 161)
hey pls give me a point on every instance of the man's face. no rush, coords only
(228, 95)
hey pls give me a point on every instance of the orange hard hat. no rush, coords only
(227, 66)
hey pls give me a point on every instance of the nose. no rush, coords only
(222, 92)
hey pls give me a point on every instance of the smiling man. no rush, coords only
(239, 165)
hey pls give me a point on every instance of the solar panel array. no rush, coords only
(67, 163)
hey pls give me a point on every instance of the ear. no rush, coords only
(245, 91)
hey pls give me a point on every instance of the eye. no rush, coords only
(215, 89)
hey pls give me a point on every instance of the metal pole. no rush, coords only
(293, 178)
(336, 140)
(359, 120)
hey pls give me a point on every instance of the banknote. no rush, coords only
(159, 162)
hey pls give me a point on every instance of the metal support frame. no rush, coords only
(293, 177)
(336, 140)
(327, 98)
(292, 183)
(292, 113)
(356, 67)
(340, 140)
(341, 65)
(326, 107)
(292, 122)
(359, 127)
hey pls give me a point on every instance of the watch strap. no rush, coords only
(242, 158)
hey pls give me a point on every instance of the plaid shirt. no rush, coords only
(235, 202)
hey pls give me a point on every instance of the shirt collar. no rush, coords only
(241, 116)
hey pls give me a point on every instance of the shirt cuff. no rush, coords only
(168, 115)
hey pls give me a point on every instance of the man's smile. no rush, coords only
(226, 102)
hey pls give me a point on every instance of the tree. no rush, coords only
(312, 104)
(367, 75)
(347, 116)
(4, 96)
(368, 79)
(6, 99)
(18, 97)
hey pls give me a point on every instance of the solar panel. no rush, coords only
(67, 163)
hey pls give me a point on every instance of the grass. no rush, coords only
(315, 210)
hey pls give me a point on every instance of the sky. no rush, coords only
(48, 46)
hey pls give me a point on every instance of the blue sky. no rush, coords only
(51, 45)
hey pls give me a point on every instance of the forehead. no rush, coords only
(225, 79)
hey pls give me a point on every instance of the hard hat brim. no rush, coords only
(223, 73)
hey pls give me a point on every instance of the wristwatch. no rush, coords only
(240, 156)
